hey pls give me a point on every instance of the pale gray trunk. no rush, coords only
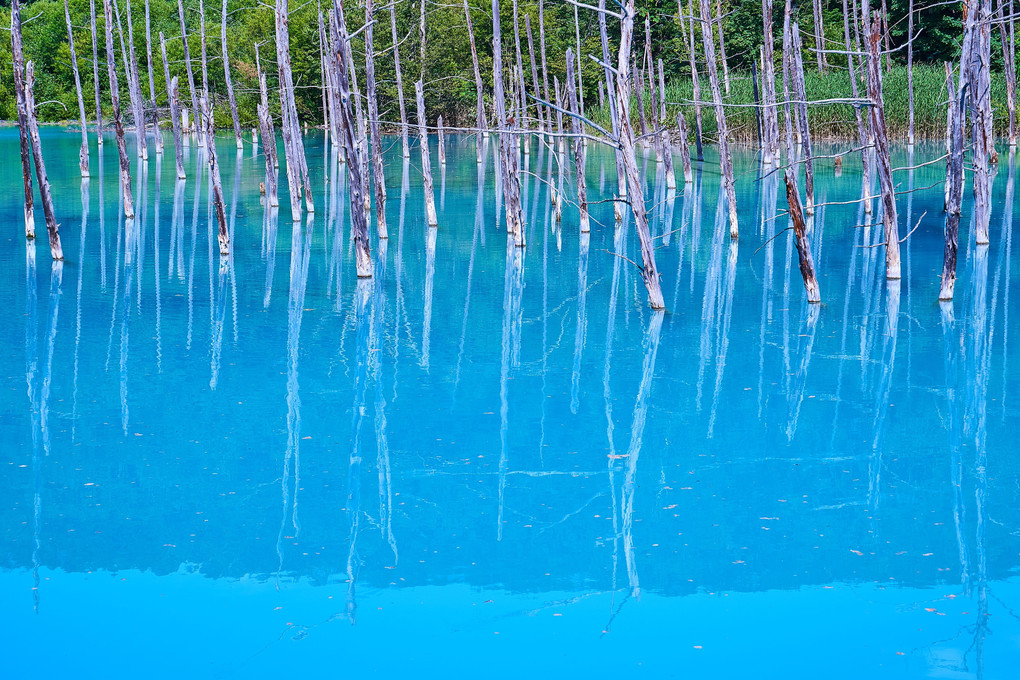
(720, 118)
(582, 193)
(40, 167)
(83, 153)
(400, 82)
(118, 125)
(226, 76)
(175, 110)
(426, 163)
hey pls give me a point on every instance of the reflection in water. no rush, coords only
(767, 499)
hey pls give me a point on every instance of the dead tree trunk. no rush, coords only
(442, 141)
(580, 68)
(954, 183)
(118, 125)
(83, 154)
(862, 132)
(685, 149)
(582, 192)
(205, 56)
(187, 64)
(40, 167)
(816, 8)
(695, 81)
(800, 90)
(290, 118)
(522, 100)
(885, 180)
(507, 143)
(807, 265)
(667, 147)
(720, 117)
(378, 172)
(18, 57)
(910, 73)
(175, 113)
(152, 81)
(722, 47)
(635, 188)
(1007, 31)
(480, 120)
(226, 76)
(610, 75)
(979, 65)
(131, 73)
(534, 71)
(545, 64)
(359, 223)
(399, 82)
(426, 163)
(214, 175)
(770, 114)
(95, 73)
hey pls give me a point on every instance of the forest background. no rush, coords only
(447, 69)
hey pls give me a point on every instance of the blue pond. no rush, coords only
(496, 462)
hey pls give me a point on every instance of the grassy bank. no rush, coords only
(835, 121)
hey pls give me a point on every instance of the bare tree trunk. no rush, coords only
(83, 154)
(214, 175)
(910, 74)
(862, 133)
(1007, 31)
(663, 134)
(152, 81)
(118, 125)
(978, 64)
(507, 143)
(545, 65)
(226, 76)
(580, 68)
(359, 223)
(582, 192)
(950, 109)
(400, 82)
(720, 118)
(378, 171)
(534, 72)
(205, 56)
(175, 119)
(480, 120)
(768, 70)
(695, 81)
(18, 57)
(639, 83)
(805, 127)
(954, 186)
(40, 167)
(426, 163)
(95, 73)
(131, 73)
(442, 141)
(621, 175)
(884, 29)
(290, 118)
(187, 64)
(635, 188)
(722, 47)
(685, 149)
(816, 8)
(885, 180)
(519, 73)
(328, 117)
(807, 265)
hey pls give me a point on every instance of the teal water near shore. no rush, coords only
(491, 461)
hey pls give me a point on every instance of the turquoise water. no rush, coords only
(493, 462)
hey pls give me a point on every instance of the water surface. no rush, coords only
(489, 461)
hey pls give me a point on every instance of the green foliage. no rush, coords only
(446, 68)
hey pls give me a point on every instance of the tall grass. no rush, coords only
(830, 121)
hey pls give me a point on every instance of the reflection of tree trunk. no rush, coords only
(512, 293)
(381, 441)
(634, 449)
(362, 299)
(581, 329)
(430, 272)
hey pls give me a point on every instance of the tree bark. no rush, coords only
(720, 118)
(807, 265)
(695, 81)
(175, 106)
(426, 163)
(885, 180)
(400, 82)
(296, 155)
(635, 188)
(545, 64)
(442, 141)
(722, 47)
(18, 57)
(359, 223)
(480, 119)
(226, 76)
(770, 112)
(685, 149)
(534, 71)
(910, 74)
(83, 154)
(805, 128)
(40, 166)
(507, 143)
(816, 8)
(954, 183)
(1007, 31)
(187, 64)
(378, 172)
(579, 164)
(118, 125)
(214, 175)
(667, 147)
(131, 73)
(152, 81)
(95, 73)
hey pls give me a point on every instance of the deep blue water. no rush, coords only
(493, 462)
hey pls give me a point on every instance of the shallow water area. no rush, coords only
(490, 460)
